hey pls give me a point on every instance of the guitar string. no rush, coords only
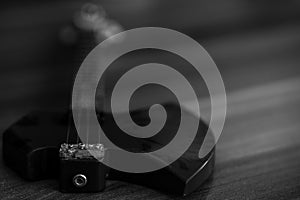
(69, 127)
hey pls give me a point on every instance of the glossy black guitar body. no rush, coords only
(182, 176)
(31, 146)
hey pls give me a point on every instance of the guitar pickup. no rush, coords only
(81, 168)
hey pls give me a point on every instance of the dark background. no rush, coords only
(255, 44)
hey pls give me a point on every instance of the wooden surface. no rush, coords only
(258, 154)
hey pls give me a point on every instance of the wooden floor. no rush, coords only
(258, 153)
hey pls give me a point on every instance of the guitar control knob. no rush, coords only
(79, 180)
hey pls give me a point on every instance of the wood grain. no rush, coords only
(258, 154)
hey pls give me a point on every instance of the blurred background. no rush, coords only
(255, 44)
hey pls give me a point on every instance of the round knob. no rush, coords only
(79, 180)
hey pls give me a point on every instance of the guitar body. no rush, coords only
(31, 148)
